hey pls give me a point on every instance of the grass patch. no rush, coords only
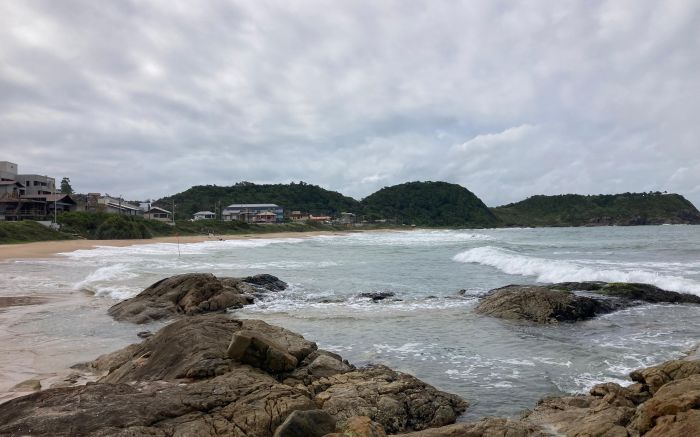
(28, 231)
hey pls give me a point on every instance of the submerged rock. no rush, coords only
(377, 295)
(190, 294)
(572, 301)
(184, 380)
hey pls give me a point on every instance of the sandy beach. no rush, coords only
(47, 249)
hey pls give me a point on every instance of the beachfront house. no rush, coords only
(156, 213)
(114, 205)
(204, 215)
(298, 216)
(254, 213)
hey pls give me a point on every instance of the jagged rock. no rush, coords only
(395, 400)
(538, 304)
(657, 376)
(190, 294)
(325, 365)
(267, 282)
(309, 423)
(492, 426)
(260, 351)
(180, 382)
(362, 426)
(558, 302)
(377, 295)
(680, 397)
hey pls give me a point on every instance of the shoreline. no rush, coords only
(49, 249)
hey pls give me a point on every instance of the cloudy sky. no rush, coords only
(147, 98)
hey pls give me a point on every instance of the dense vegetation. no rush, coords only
(599, 210)
(28, 231)
(294, 196)
(103, 226)
(429, 204)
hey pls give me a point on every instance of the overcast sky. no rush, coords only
(147, 98)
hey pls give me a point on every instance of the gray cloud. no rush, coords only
(148, 98)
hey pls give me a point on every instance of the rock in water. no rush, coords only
(310, 423)
(572, 301)
(377, 295)
(538, 304)
(190, 294)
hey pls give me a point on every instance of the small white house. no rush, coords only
(160, 214)
(204, 215)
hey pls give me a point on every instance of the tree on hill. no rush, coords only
(292, 197)
(430, 204)
(602, 209)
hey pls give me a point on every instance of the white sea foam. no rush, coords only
(406, 238)
(102, 281)
(201, 248)
(549, 270)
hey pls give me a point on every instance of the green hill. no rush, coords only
(430, 204)
(599, 210)
(292, 197)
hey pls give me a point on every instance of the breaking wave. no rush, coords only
(548, 270)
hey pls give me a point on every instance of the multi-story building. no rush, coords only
(8, 171)
(254, 213)
(37, 185)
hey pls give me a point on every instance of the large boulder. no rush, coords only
(309, 423)
(260, 351)
(538, 304)
(674, 407)
(572, 301)
(656, 406)
(191, 294)
(395, 400)
(655, 377)
(182, 381)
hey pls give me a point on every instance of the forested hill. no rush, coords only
(429, 204)
(599, 210)
(294, 196)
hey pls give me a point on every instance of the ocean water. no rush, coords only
(428, 329)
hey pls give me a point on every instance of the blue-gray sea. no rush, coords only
(428, 329)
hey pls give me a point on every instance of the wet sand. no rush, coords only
(46, 249)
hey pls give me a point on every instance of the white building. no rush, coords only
(204, 215)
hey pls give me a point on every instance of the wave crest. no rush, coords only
(549, 270)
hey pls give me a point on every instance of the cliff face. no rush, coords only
(628, 209)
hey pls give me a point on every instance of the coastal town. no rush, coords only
(37, 197)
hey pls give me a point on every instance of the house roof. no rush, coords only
(156, 208)
(11, 183)
(204, 213)
(65, 198)
(253, 205)
(123, 206)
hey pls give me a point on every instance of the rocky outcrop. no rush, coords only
(395, 400)
(572, 301)
(195, 377)
(538, 304)
(651, 407)
(193, 293)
